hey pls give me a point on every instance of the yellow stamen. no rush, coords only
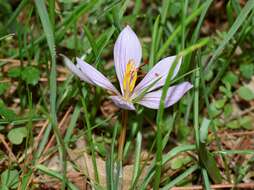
(130, 77)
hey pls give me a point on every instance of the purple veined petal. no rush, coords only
(75, 70)
(174, 94)
(160, 70)
(95, 76)
(127, 47)
(121, 103)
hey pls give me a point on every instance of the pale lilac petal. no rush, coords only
(121, 103)
(75, 70)
(152, 99)
(158, 72)
(127, 47)
(95, 76)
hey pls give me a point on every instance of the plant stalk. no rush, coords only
(122, 136)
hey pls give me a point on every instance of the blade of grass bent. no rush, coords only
(54, 174)
(172, 153)
(161, 109)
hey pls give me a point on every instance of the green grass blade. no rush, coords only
(163, 18)
(91, 40)
(190, 18)
(196, 106)
(165, 159)
(230, 152)
(6, 36)
(204, 130)
(54, 174)
(232, 31)
(137, 158)
(74, 118)
(154, 42)
(196, 33)
(110, 167)
(47, 27)
(90, 137)
(183, 16)
(206, 179)
(179, 178)
(15, 14)
(160, 112)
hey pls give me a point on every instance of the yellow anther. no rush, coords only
(130, 77)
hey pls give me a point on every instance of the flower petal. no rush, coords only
(75, 70)
(158, 72)
(152, 99)
(121, 103)
(127, 47)
(95, 76)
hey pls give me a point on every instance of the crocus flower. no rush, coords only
(127, 58)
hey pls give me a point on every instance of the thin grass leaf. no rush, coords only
(163, 19)
(206, 179)
(54, 174)
(179, 178)
(52, 13)
(160, 112)
(237, 6)
(135, 12)
(43, 142)
(90, 137)
(209, 163)
(183, 16)
(91, 40)
(67, 22)
(196, 106)
(7, 36)
(230, 152)
(102, 42)
(232, 31)
(203, 132)
(154, 42)
(230, 13)
(165, 159)
(189, 19)
(110, 167)
(15, 14)
(74, 118)
(25, 180)
(196, 33)
(47, 27)
(137, 158)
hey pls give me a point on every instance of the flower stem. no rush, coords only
(122, 136)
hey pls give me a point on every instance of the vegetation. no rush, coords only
(58, 132)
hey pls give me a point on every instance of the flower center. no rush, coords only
(130, 77)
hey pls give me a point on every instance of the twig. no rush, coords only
(236, 116)
(218, 186)
(240, 133)
(59, 79)
(12, 156)
(52, 140)
(39, 136)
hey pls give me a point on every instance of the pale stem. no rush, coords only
(122, 136)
